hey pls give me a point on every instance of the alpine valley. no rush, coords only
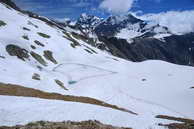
(121, 72)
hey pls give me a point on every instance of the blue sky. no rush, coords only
(73, 8)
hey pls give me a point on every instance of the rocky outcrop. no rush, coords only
(14, 50)
(64, 125)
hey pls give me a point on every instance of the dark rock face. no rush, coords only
(178, 49)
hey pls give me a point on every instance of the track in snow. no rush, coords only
(82, 67)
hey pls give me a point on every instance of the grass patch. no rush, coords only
(86, 39)
(32, 24)
(92, 50)
(61, 84)
(73, 45)
(25, 37)
(38, 58)
(184, 120)
(36, 76)
(25, 28)
(185, 123)
(39, 68)
(2, 23)
(32, 46)
(88, 51)
(39, 43)
(43, 35)
(49, 56)
(74, 42)
(15, 50)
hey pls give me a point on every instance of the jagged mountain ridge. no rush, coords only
(136, 40)
(113, 25)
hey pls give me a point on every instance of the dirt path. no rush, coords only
(16, 90)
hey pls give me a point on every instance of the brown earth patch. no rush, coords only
(64, 125)
(16, 90)
(185, 123)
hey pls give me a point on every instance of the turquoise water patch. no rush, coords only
(72, 82)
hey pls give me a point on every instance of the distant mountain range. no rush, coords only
(134, 39)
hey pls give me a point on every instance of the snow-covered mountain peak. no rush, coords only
(86, 20)
(122, 19)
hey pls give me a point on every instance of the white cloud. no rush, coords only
(178, 22)
(117, 6)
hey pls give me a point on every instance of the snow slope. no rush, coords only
(149, 88)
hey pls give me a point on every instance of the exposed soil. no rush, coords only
(184, 123)
(16, 90)
(64, 125)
